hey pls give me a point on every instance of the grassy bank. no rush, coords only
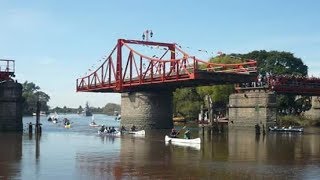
(297, 121)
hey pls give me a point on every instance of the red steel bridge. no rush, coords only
(126, 69)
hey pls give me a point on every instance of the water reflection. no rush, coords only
(79, 153)
(10, 155)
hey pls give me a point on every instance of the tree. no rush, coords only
(31, 94)
(110, 108)
(80, 109)
(277, 63)
(219, 93)
(281, 63)
(186, 102)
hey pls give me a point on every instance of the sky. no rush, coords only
(55, 42)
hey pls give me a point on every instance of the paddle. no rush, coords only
(181, 129)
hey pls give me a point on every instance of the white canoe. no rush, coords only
(117, 133)
(142, 132)
(179, 140)
(186, 145)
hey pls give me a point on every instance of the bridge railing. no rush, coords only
(7, 69)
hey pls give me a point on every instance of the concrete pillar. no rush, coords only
(249, 108)
(147, 110)
(10, 106)
(314, 112)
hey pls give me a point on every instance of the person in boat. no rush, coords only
(112, 130)
(109, 130)
(65, 121)
(174, 133)
(49, 119)
(102, 128)
(123, 128)
(133, 128)
(187, 134)
(93, 123)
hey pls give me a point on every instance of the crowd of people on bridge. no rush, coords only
(276, 80)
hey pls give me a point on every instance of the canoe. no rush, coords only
(116, 133)
(186, 145)
(142, 132)
(179, 140)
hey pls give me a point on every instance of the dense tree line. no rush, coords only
(31, 94)
(108, 109)
(187, 101)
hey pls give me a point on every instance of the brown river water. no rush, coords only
(80, 153)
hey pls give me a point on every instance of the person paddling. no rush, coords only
(187, 134)
(174, 133)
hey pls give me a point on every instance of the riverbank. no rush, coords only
(297, 121)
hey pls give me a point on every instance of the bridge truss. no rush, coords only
(127, 70)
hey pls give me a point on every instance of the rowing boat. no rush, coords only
(142, 132)
(116, 133)
(179, 140)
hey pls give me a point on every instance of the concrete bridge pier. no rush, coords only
(314, 112)
(252, 107)
(147, 110)
(10, 106)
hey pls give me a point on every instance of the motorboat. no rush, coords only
(286, 129)
(67, 126)
(181, 140)
(93, 124)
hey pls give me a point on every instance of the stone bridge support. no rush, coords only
(10, 106)
(314, 112)
(251, 107)
(147, 110)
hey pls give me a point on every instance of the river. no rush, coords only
(79, 153)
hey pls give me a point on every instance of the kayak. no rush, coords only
(179, 140)
(142, 132)
(116, 133)
(67, 126)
